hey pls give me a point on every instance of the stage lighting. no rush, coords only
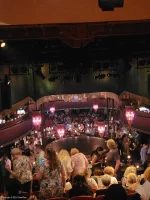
(109, 5)
(53, 78)
(3, 44)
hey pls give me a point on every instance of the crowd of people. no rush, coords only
(121, 165)
(70, 173)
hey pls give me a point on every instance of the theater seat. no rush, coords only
(58, 198)
(101, 197)
(82, 198)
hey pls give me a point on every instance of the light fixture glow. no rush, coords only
(95, 107)
(3, 44)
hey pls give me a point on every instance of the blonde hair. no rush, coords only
(147, 174)
(74, 151)
(109, 170)
(64, 155)
(132, 181)
(111, 144)
(98, 172)
(130, 169)
(87, 172)
(132, 178)
(16, 151)
(106, 180)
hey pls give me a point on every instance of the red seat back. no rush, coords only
(58, 198)
(82, 198)
(101, 197)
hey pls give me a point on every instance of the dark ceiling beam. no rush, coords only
(74, 34)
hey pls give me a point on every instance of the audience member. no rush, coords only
(51, 175)
(80, 187)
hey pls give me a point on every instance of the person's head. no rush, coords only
(147, 174)
(132, 181)
(15, 153)
(87, 173)
(79, 181)
(27, 152)
(111, 144)
(63, 154)
(115, 192)
(130, 169)
(98, 172)
(74, 151)
(131, 178)
(51, 156)
(38, 148)
(106, 180)
(109, 170)
(99, 150)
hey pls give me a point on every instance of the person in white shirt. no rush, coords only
(111, 172)
(90, 181)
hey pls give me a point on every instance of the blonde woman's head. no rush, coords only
(109, 170)
(106, 180)
(63, 154)
(74, 151)
(130, 169)
(147, 174)
(132, 178)
(87, 172)
(132, 181)
(111, 144)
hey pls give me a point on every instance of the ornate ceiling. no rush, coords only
(43, 43)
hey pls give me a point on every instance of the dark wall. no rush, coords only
(135, 81)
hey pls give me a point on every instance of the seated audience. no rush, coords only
(130, 169)
(145, 190)
(110, 171)
(132, 182)
(80, 187)
(97, 174)
(115, 192)
(90, 181)
(106, 181)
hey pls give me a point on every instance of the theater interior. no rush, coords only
(73, 67)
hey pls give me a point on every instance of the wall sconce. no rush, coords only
(101, 128)
(36, 119)
(129, 113)
(95, 107)
(52, 109)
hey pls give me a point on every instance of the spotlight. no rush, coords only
(53, 78)
(102, 76)
(109, 5)
(95, 77)
(3, 44)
